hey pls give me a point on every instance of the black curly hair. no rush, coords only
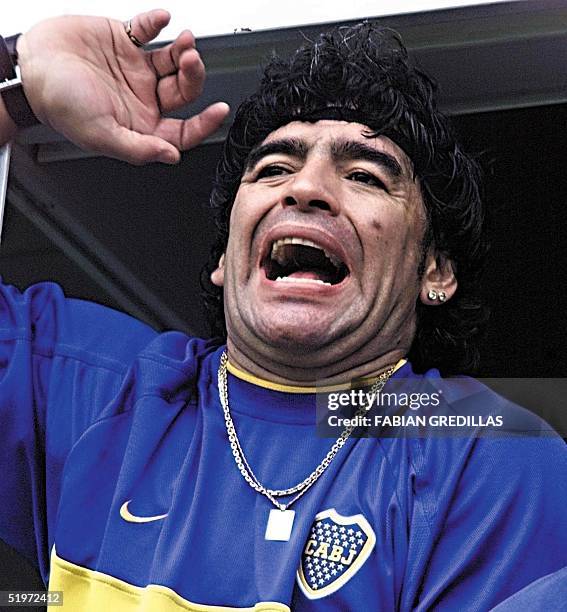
(365, 70)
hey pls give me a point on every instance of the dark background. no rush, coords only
(136, 238)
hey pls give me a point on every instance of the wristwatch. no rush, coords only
(11, 88)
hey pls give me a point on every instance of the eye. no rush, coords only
(365, 177)
(271, 170)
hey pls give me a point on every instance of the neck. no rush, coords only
(285, 373)
(367, 353)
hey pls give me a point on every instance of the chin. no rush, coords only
(296, 333)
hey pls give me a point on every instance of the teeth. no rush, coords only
(334, 260)
(291, 279)
(277, 253)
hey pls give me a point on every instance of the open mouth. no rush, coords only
(298, 260)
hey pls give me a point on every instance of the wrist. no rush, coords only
(15, 102)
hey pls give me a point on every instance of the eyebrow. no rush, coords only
(350, 150)
(285, 146)
(341, 150)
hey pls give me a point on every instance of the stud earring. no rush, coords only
(432, 295)
(442, 296)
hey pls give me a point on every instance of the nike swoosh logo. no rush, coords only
(132, 518)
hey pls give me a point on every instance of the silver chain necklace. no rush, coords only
(280, 519)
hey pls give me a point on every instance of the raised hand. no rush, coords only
(84, 77)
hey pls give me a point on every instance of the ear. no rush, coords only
(217, 275)
(439, 283)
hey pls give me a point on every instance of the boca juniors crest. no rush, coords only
(336, 548)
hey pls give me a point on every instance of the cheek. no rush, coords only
(236, 212)
(251, 205)
(390, 233)
(394, 243)
(240, 224)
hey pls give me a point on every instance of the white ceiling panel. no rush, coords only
(224, 17)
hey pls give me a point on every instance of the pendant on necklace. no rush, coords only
(280, 524)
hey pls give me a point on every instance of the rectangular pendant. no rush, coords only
(280, 524)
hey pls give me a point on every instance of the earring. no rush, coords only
(442, 296)
(432, 294)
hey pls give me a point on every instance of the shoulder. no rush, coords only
(493, 497)
(87, 328)
(487, 448)
(54, 325)
(173, 367)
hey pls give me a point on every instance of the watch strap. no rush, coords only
(11, 88)
(11, 42)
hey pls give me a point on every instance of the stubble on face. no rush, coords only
(355, 197)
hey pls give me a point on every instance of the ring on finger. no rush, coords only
(128, 28)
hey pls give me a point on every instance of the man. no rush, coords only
(164, 472)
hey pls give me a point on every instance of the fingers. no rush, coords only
(188, 133)
(164, 145)
(138, 149)
(146, 26)
(165, 60)
(180, 71)
(185, 85)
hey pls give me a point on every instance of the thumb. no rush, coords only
(146, 26)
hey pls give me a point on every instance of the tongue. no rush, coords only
(310, 274)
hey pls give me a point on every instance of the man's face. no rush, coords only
(324, 245)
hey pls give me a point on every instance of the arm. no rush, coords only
(119, 91)
(60, 362)
(60, 366)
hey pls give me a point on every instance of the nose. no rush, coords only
(312, 188)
